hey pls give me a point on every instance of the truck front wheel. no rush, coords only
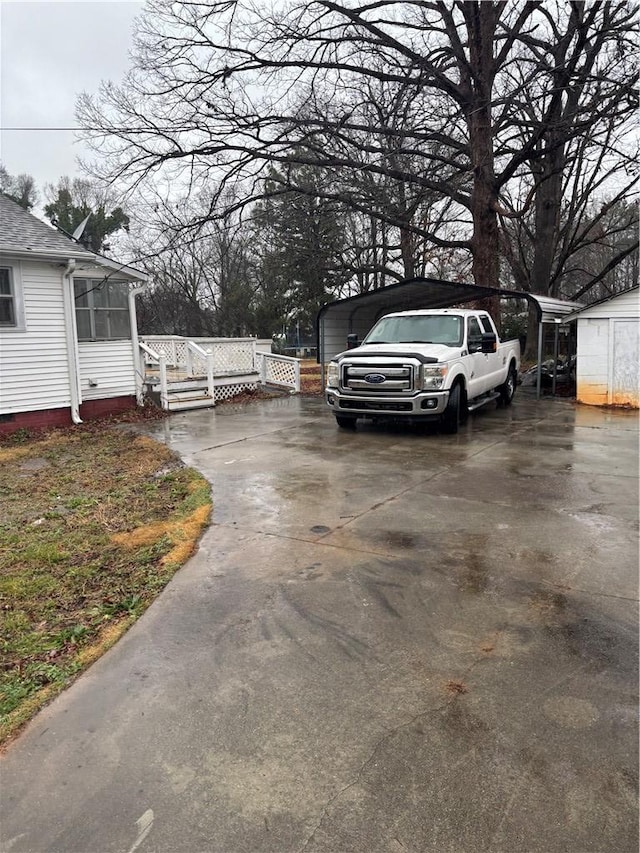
(346, 421)
(450, 419)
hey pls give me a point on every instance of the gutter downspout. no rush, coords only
(137, 358)
(72, 341)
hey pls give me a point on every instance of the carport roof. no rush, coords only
(435, 293)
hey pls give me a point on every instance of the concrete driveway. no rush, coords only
(388, 641)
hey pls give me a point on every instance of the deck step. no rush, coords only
(195, 401)
(185, 394)
(191, 385)
(192, 392)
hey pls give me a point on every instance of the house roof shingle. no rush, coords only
(21, 231)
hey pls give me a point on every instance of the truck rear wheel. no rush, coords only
(346, 421)
(450, 419)
(507, 390)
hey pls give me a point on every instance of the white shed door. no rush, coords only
(626, 360)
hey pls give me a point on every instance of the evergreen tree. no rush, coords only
(302, 237)
(74, 201)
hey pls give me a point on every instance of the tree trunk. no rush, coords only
(485, 244)
(406, 237)
(548, 200)
(530, 354)
(481, 19)
(406, 249)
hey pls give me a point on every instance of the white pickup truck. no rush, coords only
(423, 365)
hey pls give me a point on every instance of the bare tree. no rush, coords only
(586, 154)
(19, 188)
(202, 279)
(606, 261)
(224, 89)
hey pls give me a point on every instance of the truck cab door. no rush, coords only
(495, 368)
(478, 382)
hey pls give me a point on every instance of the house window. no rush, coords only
(8, 307)
(102, 309)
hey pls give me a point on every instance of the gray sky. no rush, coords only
(49, 52)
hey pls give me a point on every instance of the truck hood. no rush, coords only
(427, 353)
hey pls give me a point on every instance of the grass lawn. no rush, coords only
(94, 521)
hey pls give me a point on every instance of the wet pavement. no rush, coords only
(389, 640)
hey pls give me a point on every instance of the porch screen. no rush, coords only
(102, 309)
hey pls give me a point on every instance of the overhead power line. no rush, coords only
(40, 128)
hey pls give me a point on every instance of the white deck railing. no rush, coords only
(230, 355)
(203, 358)
(279, 370)
(152, 357)
(216, 357)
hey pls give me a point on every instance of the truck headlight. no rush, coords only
(433, 376)
(333, 374)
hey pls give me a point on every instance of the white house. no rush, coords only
(68, 341)
(608, 357)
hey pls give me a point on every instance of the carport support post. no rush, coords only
(320, 355)
(556, 336)
(539, 373)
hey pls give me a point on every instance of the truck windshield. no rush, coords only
(417, 329)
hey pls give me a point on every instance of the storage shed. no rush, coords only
(608, 354)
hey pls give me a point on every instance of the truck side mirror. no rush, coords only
(352, 341)
(489, 342)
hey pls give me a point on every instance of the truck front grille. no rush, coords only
(378, 378)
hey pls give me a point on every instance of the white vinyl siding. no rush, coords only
(33, 360)
(34, 371)
(106, 369)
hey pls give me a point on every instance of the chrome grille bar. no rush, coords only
(398, 378)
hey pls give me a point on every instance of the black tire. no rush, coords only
(464, 410)
(508, 389)
(450, 419)
(346, 421)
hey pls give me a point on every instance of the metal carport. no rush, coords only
(358, 314)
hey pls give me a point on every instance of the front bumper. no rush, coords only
(423, 404)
